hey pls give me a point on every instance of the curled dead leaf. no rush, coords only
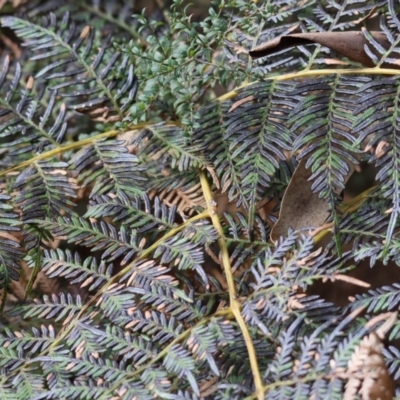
(350, 44)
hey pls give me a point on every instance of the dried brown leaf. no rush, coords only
(15, 49)
(334, 61)
(369, 378)
(381, 149)
(389, 319)
(350, 44)
(207, 388)
(367, 374)
(214, 176)
(325, 227)
(85, 32)
(301, 208)
(349, 279)
(373, 13)
(240, 102)
(30, 83)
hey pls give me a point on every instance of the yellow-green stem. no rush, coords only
(235, 305)
(59, 150)
(72, 146)
(316, 72)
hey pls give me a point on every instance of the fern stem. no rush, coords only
(235, 305)
(350, 71)
(58, 150)
(71, 146)
(317, 72)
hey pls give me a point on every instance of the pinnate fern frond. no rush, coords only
(72, 51)
(158, 233)
(10, 252)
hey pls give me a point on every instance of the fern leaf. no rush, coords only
(138, 213)
(26, 127)
(385, 298)
(44, 191)
(68, 265)
(323, 123)
(169, 145)
(382, 96)
(100, 237)
(62, 307)
(73, 50)
(111, 168)
(10, 252)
